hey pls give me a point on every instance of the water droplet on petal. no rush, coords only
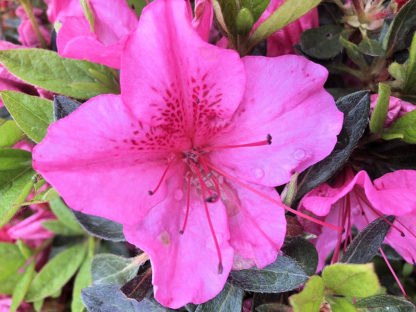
(259, 173)
(178, 194)
(299, 154)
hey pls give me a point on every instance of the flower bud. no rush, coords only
(244, 22)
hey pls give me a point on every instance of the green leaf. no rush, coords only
(339, 304)
(15, 181)
(100, 227)
(256, 7)
(82, 280)
(288, 12)
(311, 297)
(354, 53)
(400, 28)
(46, 69)
(229, 12)
(397, 71)
(37, 305)
(58, 227)
(25, 250)
(371, 47)
(138, 5)
(282, 275)
(230, 299)
(11, 260)
(383, 303)
(65, 215)
(10, 133)
(112, 269)
(303, 251)
(323, 42)
(380, 111)
(404, 128)
(273, 307)
(22, 286)
(356, 108)
(366, 244)
(32, 113)
(410, 82)
(87, 13)
(356, 280)
(56, 273)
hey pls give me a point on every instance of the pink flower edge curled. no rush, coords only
(183, 157)
(356, 200)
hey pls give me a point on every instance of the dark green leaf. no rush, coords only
(139, 286)
(371, 47)
(323, 42)
(112, 269)
(355, 280)
(100, 227)
(63, 106)
(109, 298)
(229, 12)
(273, 307)
(383, 303)
(283, 275)
(310, 298)
(399, 30)
(10, 133)
(230, 299)
(46, 69)
(303, 252)
(354, 53)
(32, 113)
(366, 244)
(137, 5)
(56, 273)
(15, 181)
(356, 108)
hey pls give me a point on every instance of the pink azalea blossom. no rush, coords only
(59, 9)
(183, 157)
(202, 21)
(397, 108)
(27, 34)
(282, 41)
(356, 201)
(113, 22)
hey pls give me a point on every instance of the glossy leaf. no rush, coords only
(366, 244)
(356, 108)
(356, 280)
(32, 113)
(100, 227)
(323, 42)
(311, 297)
(382, 303)
(403, 128)
(283, 275)
(56, 273)
(303, 251)
(230, 299)
(46, 69)
(112, 269)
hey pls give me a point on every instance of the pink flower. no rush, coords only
(282, 41)
(59, 9)
(183, 157)
(397, 108)
(356, 201)
(113, 22)
(27, 34)
(202, 21)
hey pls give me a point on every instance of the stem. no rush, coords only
(27, 6)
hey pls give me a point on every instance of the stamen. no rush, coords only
(161, 179)
(298, 213)
(217, 196)
(268, 141)
(188, 198)
(376, 212)
(211, 227)
(393, 273)
(201, 181)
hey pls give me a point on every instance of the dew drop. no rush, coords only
(178, 195)
(259, 173)
(299, 154)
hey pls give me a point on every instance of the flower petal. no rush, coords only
(98, 160)
(185, 267)
(405, 246)
(284, 98)
(170, 76)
